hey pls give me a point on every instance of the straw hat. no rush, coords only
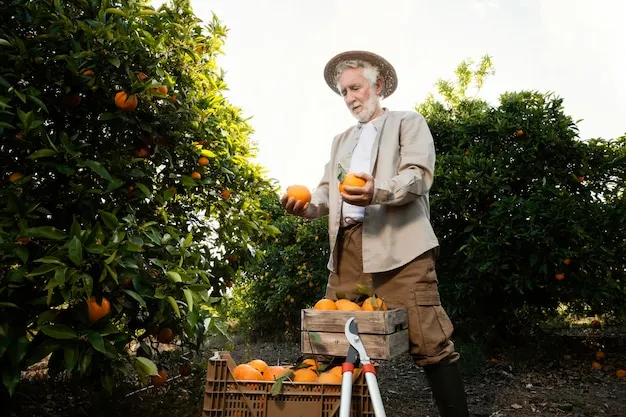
(386, 70)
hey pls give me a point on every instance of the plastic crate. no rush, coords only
(226, 397)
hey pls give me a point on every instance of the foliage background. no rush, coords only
(106, 204)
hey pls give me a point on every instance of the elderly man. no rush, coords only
(380, 233)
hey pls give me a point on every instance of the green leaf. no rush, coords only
(145, 366)
(144, 190)
(96, 341)
(39, 103)
(70, 356)
(174, 276)
(314, 337)
(189, 298)
(58, 332)
(50, 260)
(118, 12)
(115, 61)
(41, 153)
(4, 42)
(85, 361)
(75, 229)
(174, 305)
(43, 269)
(48, 232)
(98, 169)
(22, 253)
(207, 153)
(137, 297)
(75, 251)
(111, 272)
(111, 258)
(5, 304)
(5, 125)
(10, 379)
(109, 219)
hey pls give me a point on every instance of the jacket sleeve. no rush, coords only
(416, 167)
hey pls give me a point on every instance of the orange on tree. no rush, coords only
(225, 194)
(620, 373)
(87, 73)
(325, 304)
(125, 102)
(559, 276)
(596, 365)
(142, 76)
(350, 179)
(160, 379)
(161, 89)
(374, 304)
(596, 324)
(258, 364)
(299, 193)
(203, 161)
(15, 176)
(519, 132)
(273, 372)
(567, 261)
(600, 355)
(166, 335)
(97, 311)
(196, 175)
(142, 153)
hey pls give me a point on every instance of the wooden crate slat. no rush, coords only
(368, 322)
(378, 346)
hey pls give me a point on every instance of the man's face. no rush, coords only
(359, 95)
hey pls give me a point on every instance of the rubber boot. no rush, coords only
(448, 391)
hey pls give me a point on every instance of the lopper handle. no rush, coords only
(372, 386)
(346, 390)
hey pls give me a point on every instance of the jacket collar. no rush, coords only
(378, 122)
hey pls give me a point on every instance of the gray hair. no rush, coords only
(370, 71)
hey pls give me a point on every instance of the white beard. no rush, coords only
(368, 109)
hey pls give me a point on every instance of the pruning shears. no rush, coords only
(357, 353)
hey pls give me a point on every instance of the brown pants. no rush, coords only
(412, 286)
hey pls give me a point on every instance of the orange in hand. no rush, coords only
(351, 180)
(299, 193)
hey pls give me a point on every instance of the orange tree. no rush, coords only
(528, 216)
(289, 274)
(126, 182)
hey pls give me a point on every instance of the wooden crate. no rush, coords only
(384, 333)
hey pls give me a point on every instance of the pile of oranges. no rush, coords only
(370, 304)
(310, 370)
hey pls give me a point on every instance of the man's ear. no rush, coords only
(379, 86)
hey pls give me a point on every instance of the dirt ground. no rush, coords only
(554, 379)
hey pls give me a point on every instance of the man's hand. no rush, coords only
(359, 196)
(292, 206)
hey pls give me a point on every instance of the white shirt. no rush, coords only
(360, 162)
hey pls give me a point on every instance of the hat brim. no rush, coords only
(386, 70)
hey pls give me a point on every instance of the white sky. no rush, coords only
(276, 50)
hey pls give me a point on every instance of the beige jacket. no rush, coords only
(396, 226)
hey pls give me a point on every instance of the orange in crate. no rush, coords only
(226, 397)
